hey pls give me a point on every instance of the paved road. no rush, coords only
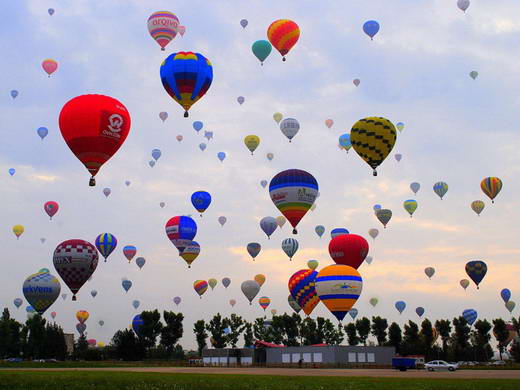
(376, 373)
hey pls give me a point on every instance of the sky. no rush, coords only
(416, 71)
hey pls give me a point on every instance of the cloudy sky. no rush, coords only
(416, 71)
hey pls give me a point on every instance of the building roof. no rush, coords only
(265, 344)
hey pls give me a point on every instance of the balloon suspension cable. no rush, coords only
(92, 182)
(185, 114)
(295, 231)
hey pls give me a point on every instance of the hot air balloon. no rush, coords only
(348, 249)
(75, 261)
(222, 220)
(53, 314)
(252, 142)
(94, 127)
(226, 282)
(200, 287)
(429, 271)
(420, 311)
(129, 251)
(384, 216)
(410, 206)
(290, 246)
(260, 279)
(181, 30)
(470, 316)
(268, 225)
(294, 305)
(398, 157)
(202, 146)
(476, 270)
(14, 93)
(338, 287)
(137, 322)
(179, 138)
(293, 192)
(190, 252)
(473, 74)
(18, 230)
(163, 115)
(510, 306)
(290, 128)
(232, 302)
(11, 171)
(373, 233)
(156, 154)
(212, 283)
(151, 163)
(208, 135)
(477, 206)
(41, 290)
(82, 316)
(93, 293)
(250, 288)
(356, 82)
(264, 302)
(400, 306)
(163, 26)
(313, 264)
(241, 100)
(338, 232)
(329, 123)
(464, 283)
(277, 116)
(320, 229)
(415, 187)
(126, 284)
(302, 288)
(263, 183)
(197, 126)
(373, 301)
(177, 300)
(440, 188)
(64, 296)
(491, 186)
(373, 139)
(107, 191)
(221, 156)
(50, 11)
(51, 208)
(18, 302)
(201, 201)
(344, 142)
(42, 132)
(49, 66)
(270, 156)
(243, 23)
(261, 49)
(140, 261)
(136, 304)
(253, 248)
(505, 294)
(371, 28)
(186, 76)
(105, 244)
(283, 35)
(181, 230)
(81, 328)
(463, 5)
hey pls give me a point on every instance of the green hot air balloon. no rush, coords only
(261, 49)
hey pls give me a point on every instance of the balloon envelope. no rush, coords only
(348, 249)
(261, 49)
(105, 244)
(415, 187)
(470, 315)
(371, 28)
(250, 289)
(201, 201)
(226, 282)
(181, 230)
(268, 225)
(320, 229)
(41, 290)
(163, 26)
(283, 35)
(51, 208)
(420, 311)
(338, 232)
(440, 188)
(302, 288)
(476, 270)
(400, 306)
(294, 305)
(290, 246)
(491, 186)
(140, 261)
(505, 294)
(290, 128)
(129, 251)
(253, 248)
(42, 132)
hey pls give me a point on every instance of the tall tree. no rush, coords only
(150, 328)
(172, 332)
(199, 328)
(261, 330)
(501, 334)
(332, 335)
(236, 326)
(291, 329)
(54, 344)
(81, 347)
(248, 334)
(460, 340)
(480, 339)
(35, 330)
(216, 328)
(352, 337)
(309, 332)
(363, 329)
(127, 346)
(443, 327)
(427, 339)
(379, 327)
(395, 336)
(411, 339)
(276, 330)
(10, 336)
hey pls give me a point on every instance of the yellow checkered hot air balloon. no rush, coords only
(373, 138)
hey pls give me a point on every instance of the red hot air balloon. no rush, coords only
(75, 261)
(94, 127)
(51, 208)
(348, 249)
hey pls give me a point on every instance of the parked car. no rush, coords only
(435, 365)
(14, 360)
(51, 361)
(497, 363)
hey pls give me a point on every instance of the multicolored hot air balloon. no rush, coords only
(339, 287)
(283, 35)
(264, 302)
(75, 261)
(51, 208)
(280, 221)
(373, 139)
(105, 244)
(201, 201)
(186, 76)
(344, 142)
(163, 27)
(82, 316)
(491, 186)
(464, 283)
(190, 252)
(348, 249)
(476, 270)
(94, 128)
(129, 251)
(41, 290)
(302, 289)
(338, 232)
(440, 188)
(18, 230)
(200, 287)
(410, 206)
(293, 192)
(477, 206)
(181, 230)
(250, 289)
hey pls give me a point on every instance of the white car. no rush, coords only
(435, 365)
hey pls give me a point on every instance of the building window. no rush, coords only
(246, 361)
(351, 357)
(306, 357)
(361, 358)
(295, 357)
(371, 357)
(286, 358)
(318, 357)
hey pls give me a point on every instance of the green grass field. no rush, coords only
(13, 380)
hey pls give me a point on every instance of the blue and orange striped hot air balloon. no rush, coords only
(163, 27)
(186, 76)
(491, 186)
(105, 244)
(338, 287)
(264, 302)
(293, 192)
(200, 287)
(283, 35)
(301, 287)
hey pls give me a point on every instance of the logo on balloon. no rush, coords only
(115, 122)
